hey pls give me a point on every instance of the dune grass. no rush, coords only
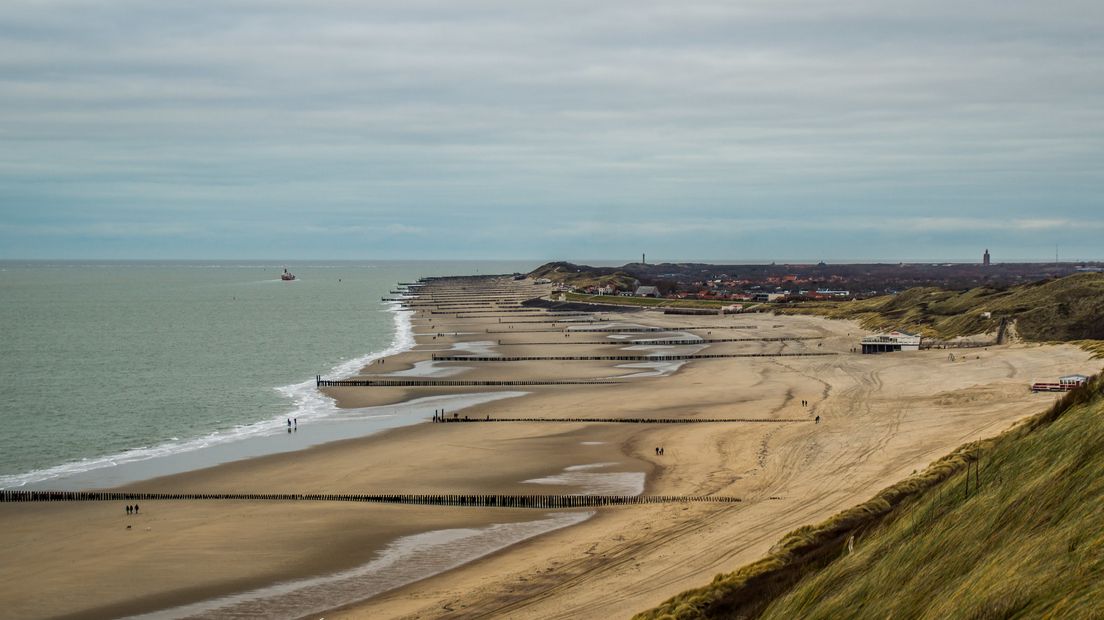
(582, 276)
(1070, 308)
(1024, 539)
(1096, 347)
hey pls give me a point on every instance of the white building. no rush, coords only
(1072, 380)
(893, 341)
(647, 291)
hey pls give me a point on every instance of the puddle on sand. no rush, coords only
(596, 483)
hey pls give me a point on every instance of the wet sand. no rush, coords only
(882, 418)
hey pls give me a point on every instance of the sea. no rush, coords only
(122, 370)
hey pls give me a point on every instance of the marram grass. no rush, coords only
(1070, 308)
(1025, 539)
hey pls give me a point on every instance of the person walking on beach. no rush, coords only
(128, 509)
(136, 509)
(817, 420)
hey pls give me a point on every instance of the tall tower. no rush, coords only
(643, 259)
(985, 258)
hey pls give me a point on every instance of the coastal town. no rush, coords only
(792, 282)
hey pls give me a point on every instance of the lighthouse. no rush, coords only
(985, 258)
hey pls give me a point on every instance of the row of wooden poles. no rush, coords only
(633, 330)
(320, 382)
(495, 311)
(474, 500)
(409, 300)
(568, 321)
(652, 341)
(615, 358)
(448, 420)
(489, 298)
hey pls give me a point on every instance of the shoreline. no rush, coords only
(433, 552)
(218, 447)
(777, 469)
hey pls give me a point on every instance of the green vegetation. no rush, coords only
(1096, 347)
(1015, 533)
(1070, 308)
(582, 276)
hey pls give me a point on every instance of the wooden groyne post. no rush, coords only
(420, 499)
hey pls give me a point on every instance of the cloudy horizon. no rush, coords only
(809, 130)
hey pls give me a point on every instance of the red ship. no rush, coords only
(287, 276)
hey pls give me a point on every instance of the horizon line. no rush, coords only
(729, 261)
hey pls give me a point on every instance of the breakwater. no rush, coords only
(447, 420)
(320, 382)
(417, 499)
(656, 341)
(616, 358)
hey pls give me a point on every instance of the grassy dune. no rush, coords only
(1023, 538)
(583, 276)
(1070, 308)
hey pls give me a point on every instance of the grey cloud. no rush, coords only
(661, 111)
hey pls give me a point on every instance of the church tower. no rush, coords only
(985, 258)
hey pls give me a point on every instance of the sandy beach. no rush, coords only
(881, 418)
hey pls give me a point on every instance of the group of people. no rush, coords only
(659, 451)
(293, 423)
(132, 510)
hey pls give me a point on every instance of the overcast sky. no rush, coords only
(600, 129)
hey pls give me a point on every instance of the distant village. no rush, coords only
(773, 288)
(793, 282)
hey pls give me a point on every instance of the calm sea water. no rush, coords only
(104, 362)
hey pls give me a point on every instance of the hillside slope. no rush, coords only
(584, 275)
(1004, 528)
(1066, 309)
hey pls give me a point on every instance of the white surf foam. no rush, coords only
(307, 404)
